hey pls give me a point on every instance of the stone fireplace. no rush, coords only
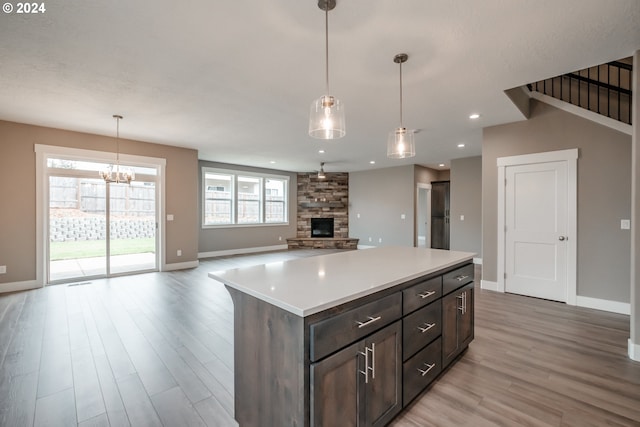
(323, 200)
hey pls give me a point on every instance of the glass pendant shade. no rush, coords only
(326, 118)
(401, 144)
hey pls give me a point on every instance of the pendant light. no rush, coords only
(121, 174)
(326, 119)
(321, 174)
(401, 142)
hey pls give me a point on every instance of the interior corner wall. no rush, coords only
(237, 239)
(604, 188)
(466, 201)
(18, 192)
(377, 200)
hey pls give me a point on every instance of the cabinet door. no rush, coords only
(466, 322)
(450, 307)
(383, 392)
(457, 322)
(335, 388)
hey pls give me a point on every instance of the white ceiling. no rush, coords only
(234, 79)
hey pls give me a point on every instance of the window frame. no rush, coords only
(262, 196)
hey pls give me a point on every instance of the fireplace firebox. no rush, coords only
(322, 227)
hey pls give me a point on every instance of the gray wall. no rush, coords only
(233, 238)
(604, 193)
(466, 199)
(381, 196)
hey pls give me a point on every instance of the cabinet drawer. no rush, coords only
(457, 278)
(420, 328)
(338, 331)
(420, 370)
(421, 294)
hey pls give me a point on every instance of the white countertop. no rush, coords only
(307, 286)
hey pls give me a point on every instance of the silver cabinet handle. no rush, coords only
(424, 372)
(373, 360)
(461, 278)
(426, 294)
(428, 326)
(464, 302)
(366, 365)
(461, 306)
(368, 368)
(368, 322)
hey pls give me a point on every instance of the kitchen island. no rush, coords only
(346, 338)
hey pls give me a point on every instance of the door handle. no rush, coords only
(563, 238)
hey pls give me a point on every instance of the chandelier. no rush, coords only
(119, 174)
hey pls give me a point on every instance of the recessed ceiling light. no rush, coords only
(321, 151)
(373, 162)
(460, 145)
(474, 116)
(273, 162)
(441, 165)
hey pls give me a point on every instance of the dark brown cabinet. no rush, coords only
(361, 384)
(457, 322)
(440, 221)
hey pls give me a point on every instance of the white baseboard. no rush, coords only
(490, 286)
(634, 351)
(181, 265)
(19, 286)
(241, 251)
(604, 305)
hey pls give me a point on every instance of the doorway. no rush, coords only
(98, 228)
(537, 225)
(423, 214)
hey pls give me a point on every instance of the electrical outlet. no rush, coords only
(625, 224)
(179, 253)
(170, 217)
(280, 238)
(3, 269)
(380, 240)
(369, 238)
(461, 217)
(403, 216)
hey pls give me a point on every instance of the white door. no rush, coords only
(536, 229)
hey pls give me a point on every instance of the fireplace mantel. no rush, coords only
(322, 243)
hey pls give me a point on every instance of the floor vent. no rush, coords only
(79, 283)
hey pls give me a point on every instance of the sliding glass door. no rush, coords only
(99, 229)
(132, 227)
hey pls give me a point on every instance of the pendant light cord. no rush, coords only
(401, 95)
(117, 142)
(326, 43)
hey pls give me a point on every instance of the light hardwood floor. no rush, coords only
(157, 349)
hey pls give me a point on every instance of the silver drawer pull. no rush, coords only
(368, 322)
(424, 372)
(427, 294)
(461, 278)
(428, 326)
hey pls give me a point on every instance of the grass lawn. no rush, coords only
(96, 248)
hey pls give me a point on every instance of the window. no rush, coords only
(243, 198)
